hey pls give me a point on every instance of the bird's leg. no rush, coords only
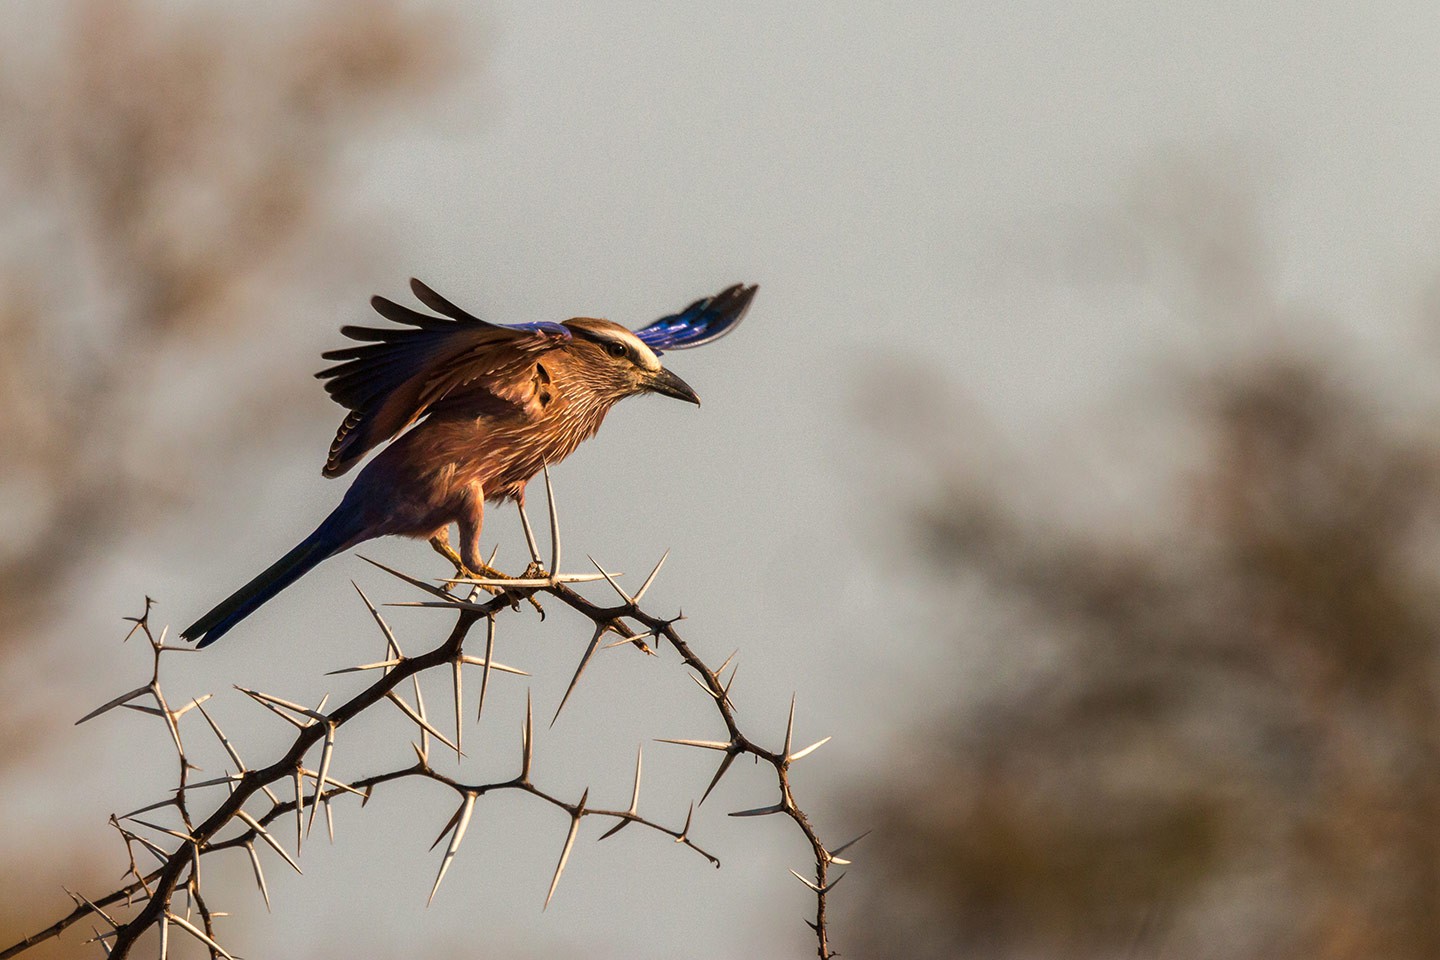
(441, 543)
(470, 560)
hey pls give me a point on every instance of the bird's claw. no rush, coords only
(534, 571)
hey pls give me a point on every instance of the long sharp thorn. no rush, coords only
(685, 830)
(270, 841)
(297, 724)
(323, 774)
(378, 665)
(80, 898)
(259, 873)
(807, 883)
(287, 704)
(729, 758)
(729, 682)
(634, 798)
(427, 587)
(611, 580)
(193, 703)
(635, 793)
(141, 708)
(801, 754)
(527, 740)
(721, 669)
(456, 671)
(178, 834)
(420, 710)
(529, 535)
(198, 934)
(584, 661)
(760, 811)
(169, 801)
(499, 667)
(462, 821)
(164, 936)
(569, 844)
(702, 744)
(789, 728)
(703, 686)
(449, 825)
(424, 725)
(300, 808)
(489, 661)
(849, 843)
(331, 781)
(392, 649)
(232, 752)
(624, 822)
(640, 594)
(112, 704)
(632, 639)
(329, 820)
(154, 848)
(554, 522)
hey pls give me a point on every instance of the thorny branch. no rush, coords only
(149, 896)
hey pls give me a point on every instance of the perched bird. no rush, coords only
(494, 403)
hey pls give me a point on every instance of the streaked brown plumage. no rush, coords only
(494, 403)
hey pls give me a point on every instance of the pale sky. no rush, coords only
(903, 181)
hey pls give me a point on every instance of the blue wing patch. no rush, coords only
(701, 322)
(543, 326)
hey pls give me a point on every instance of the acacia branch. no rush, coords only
(153, 892)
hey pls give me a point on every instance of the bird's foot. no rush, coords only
(487, 572)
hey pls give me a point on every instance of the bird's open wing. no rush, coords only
(701, 322)
(400, 373)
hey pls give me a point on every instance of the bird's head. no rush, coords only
(615, 364)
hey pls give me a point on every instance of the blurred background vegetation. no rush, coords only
(174, 205)
(1207, 719)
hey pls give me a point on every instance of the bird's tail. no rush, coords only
(336, 533)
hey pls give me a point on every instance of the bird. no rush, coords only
(471, 411)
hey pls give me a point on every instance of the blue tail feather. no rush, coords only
(332, 536)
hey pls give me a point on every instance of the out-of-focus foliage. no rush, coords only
(161, 170)
(164, 172)
(1217, 735)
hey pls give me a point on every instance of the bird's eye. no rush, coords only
(615, 348)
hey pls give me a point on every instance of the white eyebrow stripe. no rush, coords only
(643, 353)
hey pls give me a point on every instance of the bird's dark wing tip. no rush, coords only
(701, 322)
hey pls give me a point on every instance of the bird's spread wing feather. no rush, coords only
(401, 373)
(701, 322)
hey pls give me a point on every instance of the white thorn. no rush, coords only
(529, 534)
(259, 873)
(801, 754)
(264, 834)
(554, 522)
(611, 580)
(640, 594)
(569, 844)
(462, 821)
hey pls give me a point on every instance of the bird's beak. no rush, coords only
(672, 386)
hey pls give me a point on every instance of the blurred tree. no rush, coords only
(169, 165)
(1217, 735)
(163, 169)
